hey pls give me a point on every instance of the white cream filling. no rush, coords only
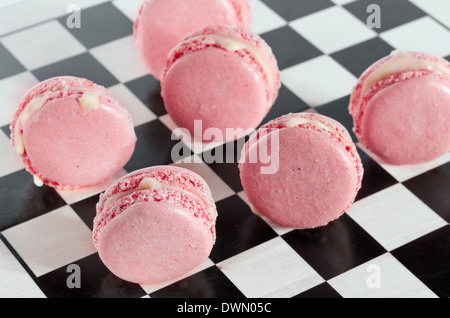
(33, 106)
(38, 181)
(88, 101)
(254, 210)
(145, 184)
(403, 62)
(233, 44)
(297, 121)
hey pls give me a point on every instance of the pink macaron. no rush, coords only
(220, 81)
(301, 170)
(72, 133)
(155, 224)
(401, 108)
(162, 24)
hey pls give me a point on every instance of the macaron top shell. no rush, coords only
(401, 108)
(66, 130)
(318, 175)
(161, 24)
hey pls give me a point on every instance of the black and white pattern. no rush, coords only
(398, 227)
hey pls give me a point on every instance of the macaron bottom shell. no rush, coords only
(152, 242)
(316, 181)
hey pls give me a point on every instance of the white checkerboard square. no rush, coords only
(439, 9)
(272, 269)
(9, 160)
(219, 189)
(264, 19)
(22, 14)
(342, 2)
(42, 45)
(15, 281)
(394, 281)
(332, 29)
(197, 147)
(429, 37)
(277, 228)
(114, 55)
(318, 81)
(71, 197)
(403, 173)
(140, 114)
(154, 287)
(395, 216)
(129, 7)
(52, 240)
(11, 90)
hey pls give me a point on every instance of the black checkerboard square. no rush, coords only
(428, 258)
(6, 130)
(95, 281)
(225, 162)
(294, 9)
(336, 248)
(323, 290)
(21, 200)
(393, 13)
(289, 47)
(287, 102)
(358, 58)
(86, 210)
(375, 177)
(425, 185)
(83, 65)
(9, 65)
(209, 283)
(148, 90)
(238, 229)
(154, 146)
(99, 25)
(338, 110)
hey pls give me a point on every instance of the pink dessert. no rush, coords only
(317, 175)
(401, 108)
(72, 133)
(227, 78)
(155, 224)
(162, 24)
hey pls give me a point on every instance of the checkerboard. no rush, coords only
(394, 242)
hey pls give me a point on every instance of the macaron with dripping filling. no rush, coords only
(72, 133)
